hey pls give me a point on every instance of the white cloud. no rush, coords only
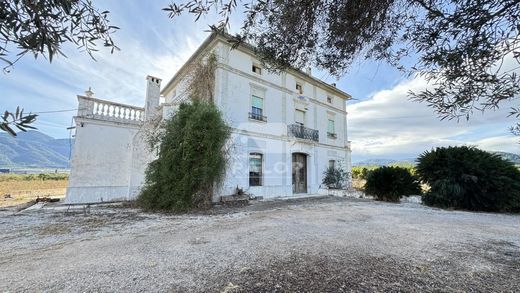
(157, 48)
(390, 125)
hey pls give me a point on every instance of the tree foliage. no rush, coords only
(391, 183)
(42, 27)
(469, 178)
(461, 45)
(17, 119)
(191, 161)
(335, 177)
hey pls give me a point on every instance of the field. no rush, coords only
(18, 189)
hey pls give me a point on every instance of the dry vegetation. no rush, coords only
(18, 189)
(358, 183)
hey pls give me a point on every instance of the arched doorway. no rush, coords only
(299, 173)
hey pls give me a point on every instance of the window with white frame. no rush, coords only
(299, 117)
(255, 169)
(332, 164)
(257, 108)
(329, 99)
(256, 69)
(331, 128)
(299, 88)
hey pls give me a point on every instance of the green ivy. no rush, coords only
(191, 161)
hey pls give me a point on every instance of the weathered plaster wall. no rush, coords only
(101, 161)
(110, 158)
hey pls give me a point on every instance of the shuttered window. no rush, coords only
(330, 126)
(257, 105)
(299, 117)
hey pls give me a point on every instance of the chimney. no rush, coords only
(333, 84)
(153, 90)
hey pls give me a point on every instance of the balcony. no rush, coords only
(94, 108)
(332, 135)
(257, 117)
(300, 131)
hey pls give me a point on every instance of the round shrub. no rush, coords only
(191, 160)
(469, 178)
(334, 177)
(391, 183)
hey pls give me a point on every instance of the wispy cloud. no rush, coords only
(150, 42)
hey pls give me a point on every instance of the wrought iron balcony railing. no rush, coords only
(257, 117)
(300, 131)
(332, 135)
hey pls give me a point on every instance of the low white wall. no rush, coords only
(101, 161)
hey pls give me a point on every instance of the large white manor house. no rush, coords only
(287, 129)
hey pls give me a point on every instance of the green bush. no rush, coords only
(469, 178)
(191, 160)
(361, 172)
(391, 183)
(334, 177)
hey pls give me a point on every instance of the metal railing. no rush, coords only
(300, 131)
(257, 117)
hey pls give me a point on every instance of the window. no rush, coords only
(332, 164)
(329, 99)
(257, 108)
(299, 88)
(255, 169)
(256, 69)
(299, 117)
(331, 132)
(330, 126)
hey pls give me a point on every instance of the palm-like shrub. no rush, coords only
(469, 178)
(391, 183)
(191, 159)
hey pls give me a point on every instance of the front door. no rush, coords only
(299, 173)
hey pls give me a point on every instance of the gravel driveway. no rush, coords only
(298, 245)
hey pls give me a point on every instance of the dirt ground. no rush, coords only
(14, 193)
(298, 245)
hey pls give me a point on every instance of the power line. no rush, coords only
(55, 111)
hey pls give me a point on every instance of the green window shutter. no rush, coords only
(258, 102)
(330, 127)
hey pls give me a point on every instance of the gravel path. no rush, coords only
(299, 245)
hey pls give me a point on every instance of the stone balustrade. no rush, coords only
(109, 111)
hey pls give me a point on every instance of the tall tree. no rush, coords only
(460, 45)
(42, 27)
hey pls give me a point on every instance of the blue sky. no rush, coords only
(382, 122)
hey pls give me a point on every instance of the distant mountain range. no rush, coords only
(383, 162)
(515, 158)
(33, 149)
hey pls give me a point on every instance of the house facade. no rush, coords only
(287, 128)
